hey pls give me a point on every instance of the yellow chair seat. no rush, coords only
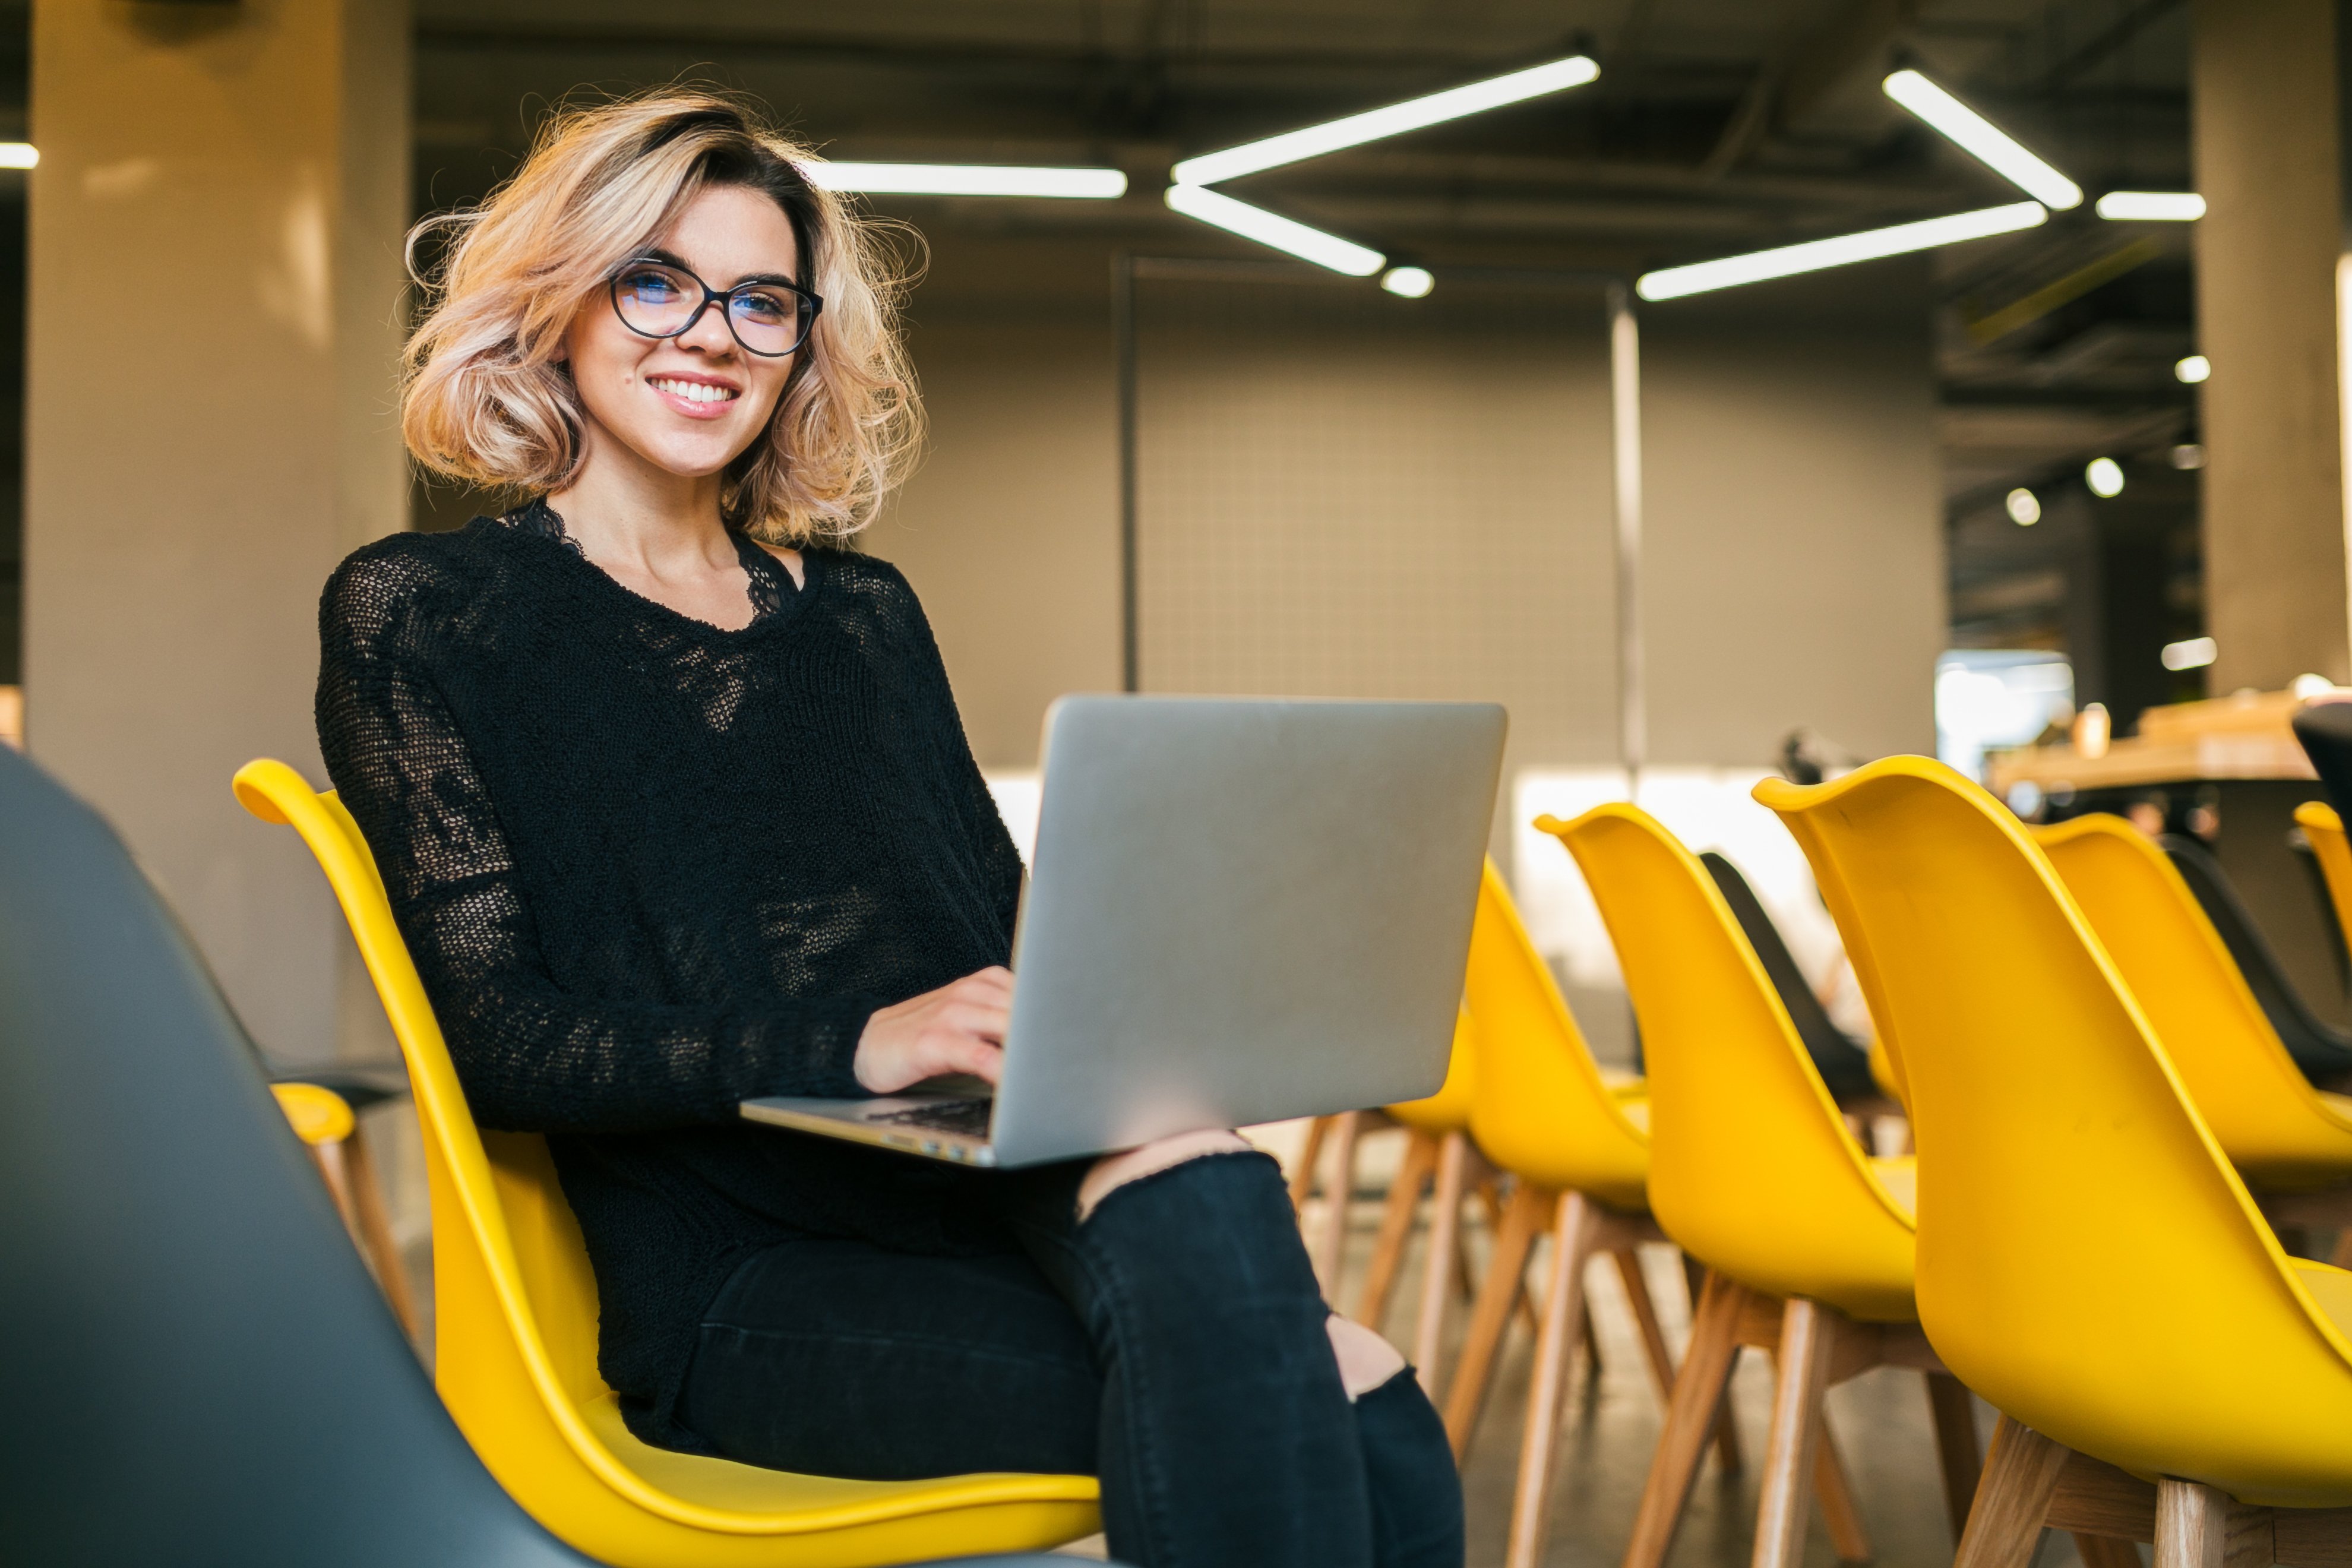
(515, 1331)
(2330, 1287)
(2281, 1134)
(317, 1115)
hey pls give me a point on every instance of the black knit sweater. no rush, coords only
(648, 867)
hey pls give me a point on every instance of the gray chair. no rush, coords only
(199, 1371)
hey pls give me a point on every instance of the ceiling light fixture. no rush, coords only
(1355, 130)
(2105, 478)
(18, 155)
(1982, 140)
(1408, 282)
(2192, 370)
(1272, 228)
(966, 180)
(2191, 653)
(2024, 508)
(2151, 206)
(1674, 282)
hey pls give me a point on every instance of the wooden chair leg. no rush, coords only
(1690, 1416)
(1490, 1196)
(1564, 1320)
(1954, 1409)
(1807, 1332)
(1726, 1427)
(2020, 1476)
(2196, 1527)
(1302, 1180)
(1646, 1316)
(1396, 1228)
(334, 1171)
(1525, 1217)
(1848, 1536)
(374, 1226)
(1331, 1245)
(1437, 1274)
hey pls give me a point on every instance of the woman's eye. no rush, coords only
(653, 287)
(763, 308)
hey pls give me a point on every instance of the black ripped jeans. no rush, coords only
(1173, 1344)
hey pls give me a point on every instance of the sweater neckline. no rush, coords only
(775, 595)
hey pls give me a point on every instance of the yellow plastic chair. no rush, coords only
(515, 1329)
(2324, 828)
(1577, 1142)
(2283, 1136)
(1807, 1240)
(2089, 1260)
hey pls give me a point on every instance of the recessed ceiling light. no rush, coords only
(2105, 475)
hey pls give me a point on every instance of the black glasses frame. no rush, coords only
(724, 300)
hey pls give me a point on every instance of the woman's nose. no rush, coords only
(709, 332)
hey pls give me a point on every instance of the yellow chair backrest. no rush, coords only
(1751, 1170)
(2087, 1258)
(1448, 1110)
(1540, 1107)
(2325, 830)
(2274, 1126)
(515, 1329)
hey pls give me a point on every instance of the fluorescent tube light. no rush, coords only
(1272, 228)
(18, 155)
(1674, 282)
(1408, 282)
(966, 180)
(1373, 124)
(1984, 140)
(2195, 653)
(2151, 206)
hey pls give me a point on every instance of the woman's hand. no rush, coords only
(959, 1027)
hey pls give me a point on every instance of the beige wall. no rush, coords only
(2268, 162)
(1009, 528)
(213, 307)
(1351, 495)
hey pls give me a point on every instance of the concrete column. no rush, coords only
(215, 312)
(2267, 85)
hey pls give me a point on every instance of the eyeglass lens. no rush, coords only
(659, 302)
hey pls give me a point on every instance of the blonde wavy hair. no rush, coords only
(484, 397)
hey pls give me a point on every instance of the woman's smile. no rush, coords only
(695, 396)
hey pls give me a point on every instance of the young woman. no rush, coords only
(673, 802)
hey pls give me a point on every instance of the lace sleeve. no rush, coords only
(532, 1057)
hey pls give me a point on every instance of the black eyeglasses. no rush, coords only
(657, 299)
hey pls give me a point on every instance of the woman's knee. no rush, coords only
(1113, 1171)
(1366, 1359)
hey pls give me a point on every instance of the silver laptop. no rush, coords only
(1240, 910)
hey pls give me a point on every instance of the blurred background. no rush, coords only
(1959, 499)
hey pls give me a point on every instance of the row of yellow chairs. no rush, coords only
(1734, 1146)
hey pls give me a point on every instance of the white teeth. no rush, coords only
(695, 391)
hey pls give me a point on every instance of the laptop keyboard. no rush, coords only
(969, 1117)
